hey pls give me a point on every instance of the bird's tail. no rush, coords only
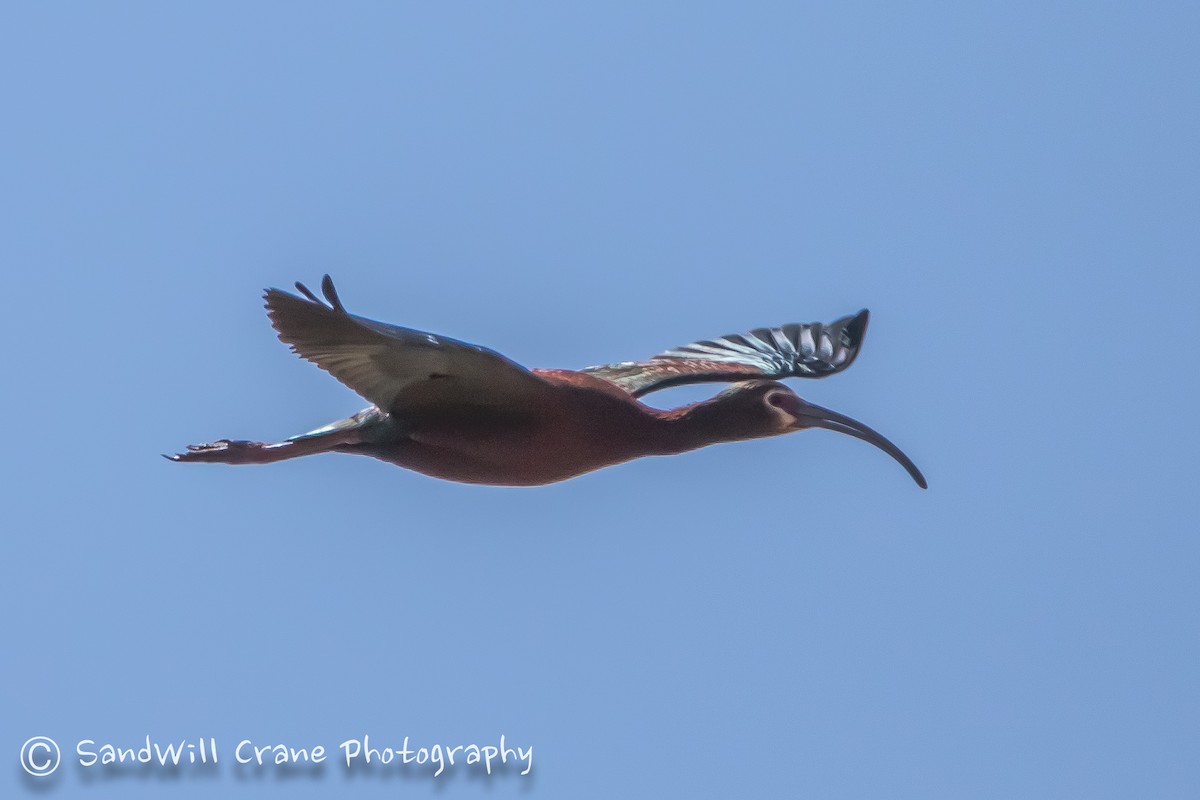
(369, 425)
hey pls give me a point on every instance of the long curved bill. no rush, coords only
(811, 416)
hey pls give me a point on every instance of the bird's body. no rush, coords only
(463, 413)
(576, 427)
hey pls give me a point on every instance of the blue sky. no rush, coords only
(1010, 188)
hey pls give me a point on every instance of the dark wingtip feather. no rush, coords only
(304, 290)
(331, 294)
(857, 327)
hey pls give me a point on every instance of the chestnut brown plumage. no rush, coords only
(465, 413)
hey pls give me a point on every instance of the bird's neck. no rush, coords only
(701, 424)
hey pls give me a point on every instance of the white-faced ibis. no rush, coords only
(465, 413)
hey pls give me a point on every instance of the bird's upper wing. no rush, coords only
(398, 369)
(789, 351)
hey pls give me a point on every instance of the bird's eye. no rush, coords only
(777, 399)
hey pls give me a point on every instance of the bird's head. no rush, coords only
(768, 408)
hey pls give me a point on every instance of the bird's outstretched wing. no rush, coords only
(398, 369)
(814, 350)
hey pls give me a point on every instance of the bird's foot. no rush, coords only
(225, 451)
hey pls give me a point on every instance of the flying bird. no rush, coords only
(465, 413)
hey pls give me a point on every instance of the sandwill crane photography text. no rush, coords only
(41, 756)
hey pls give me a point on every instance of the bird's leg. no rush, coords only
(368, 425)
